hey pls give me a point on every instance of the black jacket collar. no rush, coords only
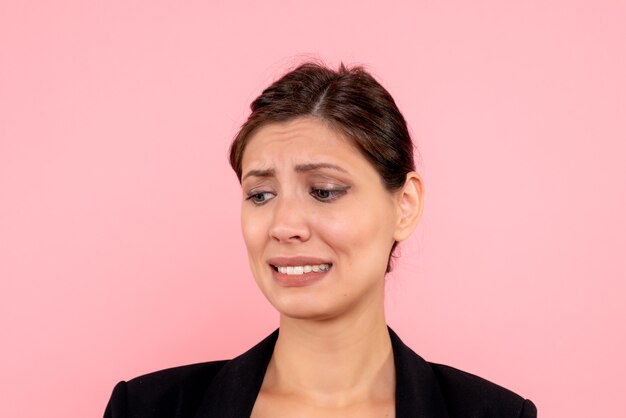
(234, 389)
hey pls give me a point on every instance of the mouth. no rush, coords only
(303, 269)
(299, 271)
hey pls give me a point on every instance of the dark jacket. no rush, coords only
(228, 389)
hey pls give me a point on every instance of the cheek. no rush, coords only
(254, 232)
(255, 237)
(361, 237)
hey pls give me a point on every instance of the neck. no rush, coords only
(340, 360)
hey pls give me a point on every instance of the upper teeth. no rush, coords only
(303, 269)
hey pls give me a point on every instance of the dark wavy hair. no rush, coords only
(351, 101)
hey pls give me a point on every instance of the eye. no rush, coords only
(327, 195)
(260, 198)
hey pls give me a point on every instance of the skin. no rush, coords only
(333, 355)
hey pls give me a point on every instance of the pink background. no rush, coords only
(120, 248)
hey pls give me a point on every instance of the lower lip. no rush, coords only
(298, 280)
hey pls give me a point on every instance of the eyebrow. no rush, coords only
(303, 168)
(300, 168)
(259, 173)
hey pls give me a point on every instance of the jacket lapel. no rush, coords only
(234, 389)
(417, 391)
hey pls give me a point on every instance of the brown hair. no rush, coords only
(349, 100)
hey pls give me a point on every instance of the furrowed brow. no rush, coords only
(259, 173)
(302, 168)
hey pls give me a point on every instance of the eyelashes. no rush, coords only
(321, 194)
(328, 195)
(259, 198)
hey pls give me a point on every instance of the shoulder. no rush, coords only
(432, 389)
(215, 388)
(468, 395)
(165, 393)
(190, 376)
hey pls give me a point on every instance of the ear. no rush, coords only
(410, 205)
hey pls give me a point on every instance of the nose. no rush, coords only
(290, 221)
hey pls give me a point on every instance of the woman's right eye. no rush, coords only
(259, 198)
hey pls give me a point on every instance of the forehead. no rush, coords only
(296, 141)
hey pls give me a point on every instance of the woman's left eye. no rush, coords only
(327, 195)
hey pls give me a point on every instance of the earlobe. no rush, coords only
(410, 201)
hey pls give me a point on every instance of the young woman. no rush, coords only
(329, 185)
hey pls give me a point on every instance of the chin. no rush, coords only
(321, 301)
(297, 308)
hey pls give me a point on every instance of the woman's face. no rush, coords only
(317, 221)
